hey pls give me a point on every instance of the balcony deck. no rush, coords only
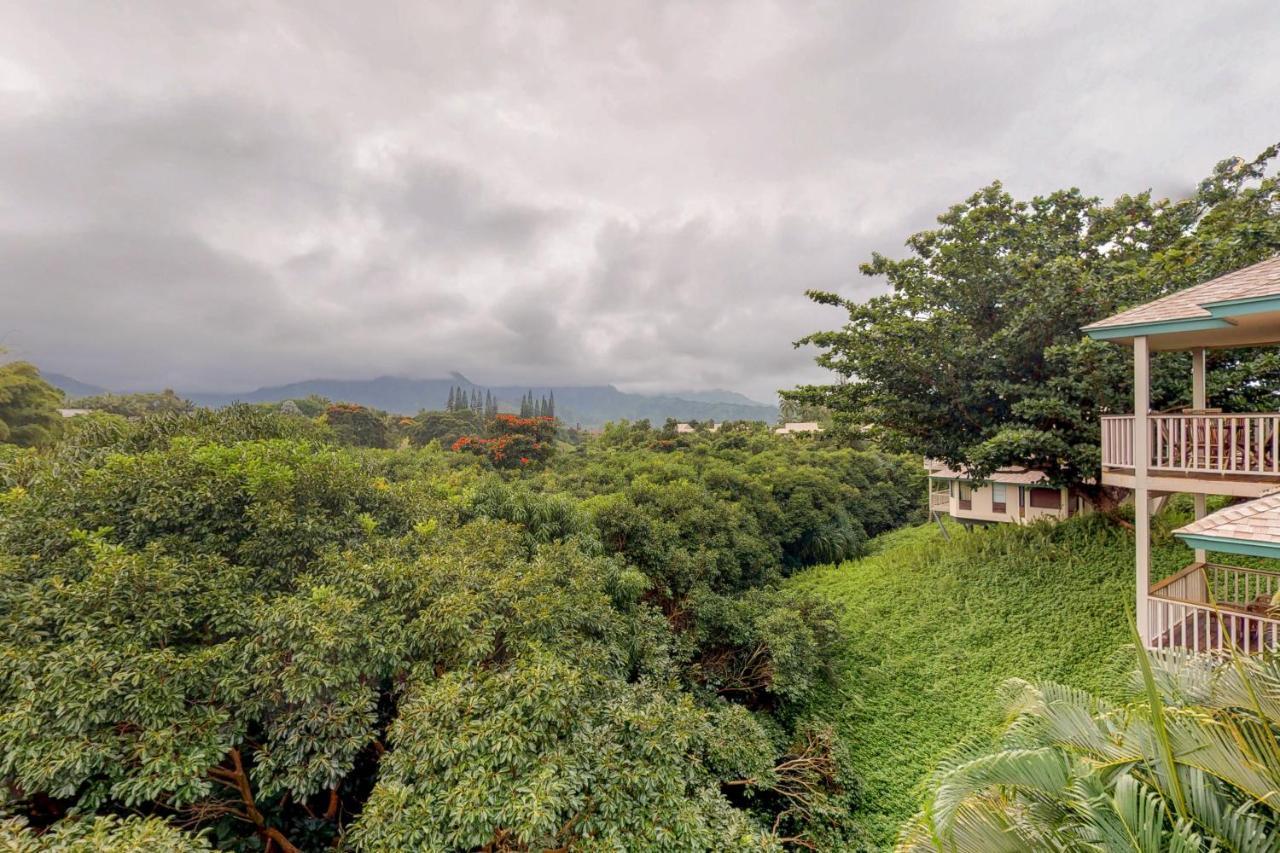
(1213, 608)
(1230, 454)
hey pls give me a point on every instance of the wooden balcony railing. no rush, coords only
(1247, 444)
(1117, 441)
(1210, 608)
(939, 501)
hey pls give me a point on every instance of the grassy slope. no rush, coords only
(937, 626)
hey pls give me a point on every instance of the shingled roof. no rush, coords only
(1254, 282)
(1008, 476)
(1255, 522)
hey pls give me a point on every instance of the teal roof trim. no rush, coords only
(1136, 330)
(1243, 306)
(1230, 546)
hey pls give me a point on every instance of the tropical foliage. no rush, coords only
(224, 628)
(444, 427)
(357, 426)
(28, 406)
(933, 626)
(1190, 762)
(135, 405)
(513, 442)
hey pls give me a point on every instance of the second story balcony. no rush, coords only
(1203, 451)
(1239, 453)
(1199, 450)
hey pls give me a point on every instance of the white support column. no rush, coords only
(1141, 493)
(1199, 400)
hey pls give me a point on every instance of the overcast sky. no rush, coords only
(224, 195)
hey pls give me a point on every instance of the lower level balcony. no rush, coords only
(1214, 608)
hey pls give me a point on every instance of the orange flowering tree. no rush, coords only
(514, 442)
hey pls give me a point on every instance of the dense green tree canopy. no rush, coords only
(29, 414)
(136, 405)
(445, 427)
(976, 355)
(359, 426)
(224, 629)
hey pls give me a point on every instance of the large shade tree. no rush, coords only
(975, 356)
(28, 406)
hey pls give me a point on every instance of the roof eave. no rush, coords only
(1228, 545)
(1164, 327)
(1243, 306)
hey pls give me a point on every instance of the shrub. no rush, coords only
(357, 426)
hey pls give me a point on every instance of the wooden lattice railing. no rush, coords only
(1210, 608)
(1243, 444)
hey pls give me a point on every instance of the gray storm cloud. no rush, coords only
(215, 197)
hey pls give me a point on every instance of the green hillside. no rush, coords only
(936, 626)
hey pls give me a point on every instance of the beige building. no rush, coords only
(1010, 495)
(1202, 451)
(797, 427)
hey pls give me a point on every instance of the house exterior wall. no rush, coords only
(1017, 506)
(1036, 513)
(980, 505)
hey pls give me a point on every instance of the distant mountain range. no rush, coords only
(588, 405)
(72, 387)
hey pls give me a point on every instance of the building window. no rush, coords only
(966, 495)
(998, 497)
(1046, 498)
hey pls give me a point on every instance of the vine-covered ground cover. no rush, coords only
(935, 627)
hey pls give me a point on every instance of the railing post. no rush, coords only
(1199, 401)
(1141, 493)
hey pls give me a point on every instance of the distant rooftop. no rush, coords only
(1009, 476)
(798, 426)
